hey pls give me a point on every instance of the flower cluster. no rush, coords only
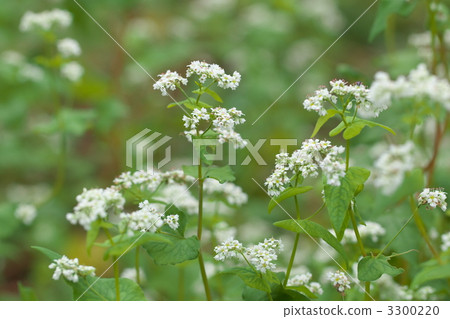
(222, 121)
(131, 273)
(179, 195)
(304, 280)
(371, 230)
(148, 219)
(356, 93)
(150, 180)
(339, 281)
(232, 193)
(259, 256)
(72, 71)
(45, 20)
(94, 204)
(70, 269)
(214, 72)
(419, 84)
(169, 81)
(26, 213)
(391, 166)
(433, 197)
(306, 161)
(68, 47)
(445, 241)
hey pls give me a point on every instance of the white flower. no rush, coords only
(390, 290)
(11, 57)
(222, 231)
(315, 288)
(94, 204)
(300, 280)
(146, 219)
(262, 255)
(232, 193)
(216, 73)
(169, 81)
(371, 230)
(172, 221)
(131, 274)
(145, 179)
(70, 269)
(339, 281)
(45, 20)
(391, 166)
(433, 197)
(26, 213)
(68, 47)
(306, 161)
(179, 195)
(229, 248)
(424, 293)
(31, 72)
(445, 241)
(73, 71)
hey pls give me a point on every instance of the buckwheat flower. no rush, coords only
(228, 249)
(230, 81)
(72, 71)
(232, 193)
(223, 231)
(391, 290)
(371, 230)
(130, 273)
(70, 269)
(45, 20)
(433, 197)
(146, 219)
(172, 221)
(262, 255)
(179, 195)
(424, 293)
(31, 72)
(94, 204)
(390, 168)
(11, 57)
(300, 280)
(339, 281)
(315, 288)
(68, 47)
(317, 101)
(176, 176)
(169, 81)
(445, 241)
(26, 213)
(145, 179)
(197, 115)
(339, 87)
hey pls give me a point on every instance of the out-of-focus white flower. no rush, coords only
(339, 281)
(445, 241)
(222, 231)
(300, 280)
(391, 166)
(73, 71)
(68, 47)
(307, 160)
(169, 81)
(130, 273)
(70, 269)
(433, 197)
(371, 230)
(179, 195)
(232, 193)
(11, 57)
(315, 288)
(26, 213)
(45, 20)
(419, 84)
(390, 290)
(424, 293)
(94, 204)
(31, 72)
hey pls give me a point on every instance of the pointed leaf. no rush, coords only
(287, 193)
(431, 273)
(323, 119)
(338, 129)
(371, 268)
(47, 252)
(176, 251)
(249, 277)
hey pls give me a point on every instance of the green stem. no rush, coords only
(181, 283)
(355, 229)
(138, 273)
(316, 212)
(347, 154)
(393, 238)
(422, 229)
(367, 296)
(199, 232)
(115, 265)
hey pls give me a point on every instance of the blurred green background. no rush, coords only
(271, 43)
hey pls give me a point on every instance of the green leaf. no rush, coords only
(190, 170)
(338, 129)
(192, 106)
(303, 290)
(26, 293)
(373, 124)
(353, 129)
(214, 95)
(338, 198)
(47, 252)
(129, 243)
(323, 119)
(176, 251)
(103, 289)
(287, 193)
(314, 230)
(177, 103)
(249, 277)
(385, 9)
(371, 268)
(222, 174)
(431, 273)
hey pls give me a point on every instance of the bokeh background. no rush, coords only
(271, 43)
